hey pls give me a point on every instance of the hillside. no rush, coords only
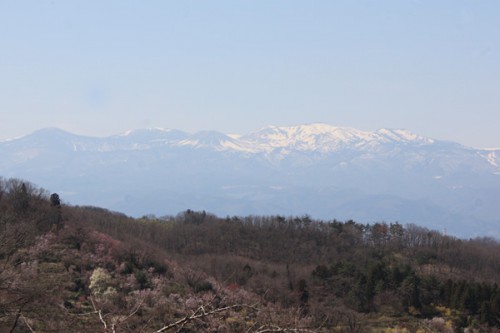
(331, 172)
(85, 269)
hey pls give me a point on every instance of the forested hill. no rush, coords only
(85, 269)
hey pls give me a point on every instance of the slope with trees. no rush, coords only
(75, 269)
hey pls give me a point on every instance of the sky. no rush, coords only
(100, 68)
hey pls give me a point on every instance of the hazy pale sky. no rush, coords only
(102, 67)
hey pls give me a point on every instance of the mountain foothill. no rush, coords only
(70, 268)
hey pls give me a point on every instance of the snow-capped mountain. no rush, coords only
(318, 169)
(325, 138)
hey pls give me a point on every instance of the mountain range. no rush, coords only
(327, 172)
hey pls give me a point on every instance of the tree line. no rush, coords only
(96, 264)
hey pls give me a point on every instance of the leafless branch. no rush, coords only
(274, 328)
(99, 312)
(202, 312)
(199, 313)
(27, 324)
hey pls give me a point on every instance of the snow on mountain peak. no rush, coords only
(146, 132)
(316, 137)
(326, 138)
(402, 135)
(215, 140)
(492, 156)
(302, 137)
